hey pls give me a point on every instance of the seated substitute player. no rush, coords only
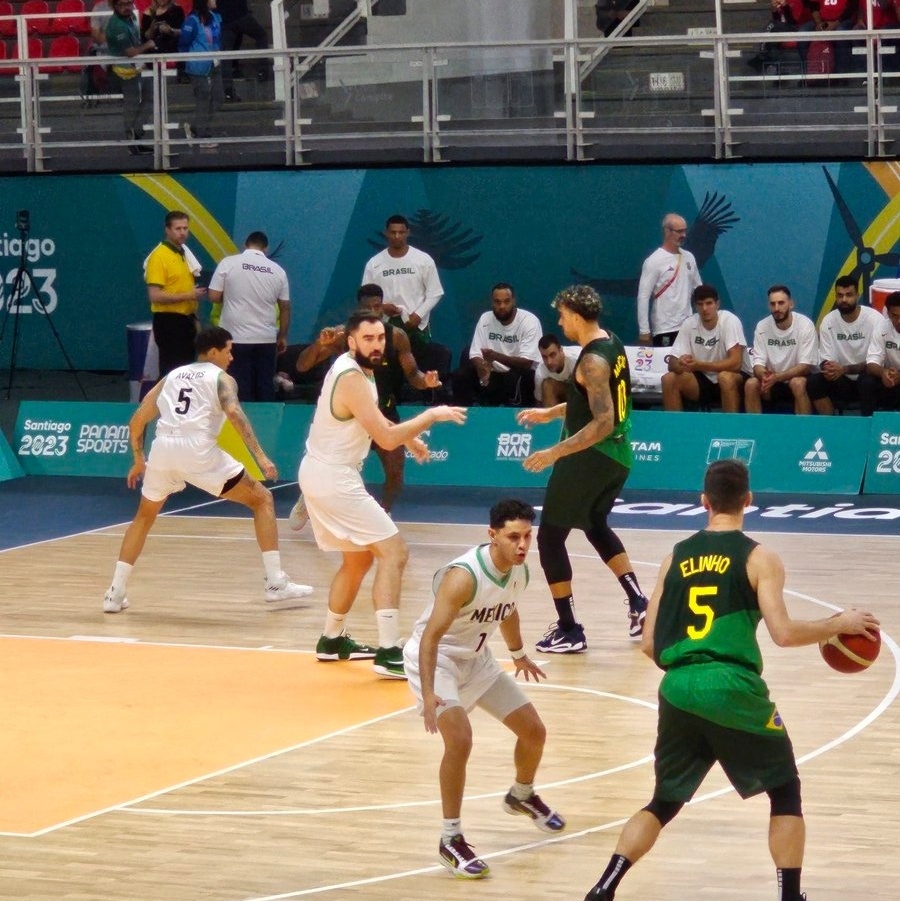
(880, 385)
(712, 591)
(451, 670)
(554, 372)
(192, 403)
(706, 358)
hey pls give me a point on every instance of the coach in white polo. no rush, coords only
(256, 309)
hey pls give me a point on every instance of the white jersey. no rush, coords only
(542, 373)
(664, 293)
(847, 342)
(885, 346)
(189, 405)
(411, 282)
(518, 338)
(778, 349)
(251, 286)
(709, 345)
(493, 600)
(339, 441)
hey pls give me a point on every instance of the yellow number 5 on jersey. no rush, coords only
(703, 610)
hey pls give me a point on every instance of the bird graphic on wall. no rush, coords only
(448, 243)
(715, 217)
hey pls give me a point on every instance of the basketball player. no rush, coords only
(713, 703)
(344, 516)
(590, 467)
(451, 670)
(192, 403)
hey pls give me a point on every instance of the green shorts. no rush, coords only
(687, 746)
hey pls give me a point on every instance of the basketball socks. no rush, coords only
(272, 564)
(565, 612)
(789, 884)
(388, 628)
(615, 871)
(451, 829)
(630, 583)
(522, 792)
(334, 624)
(120, 576)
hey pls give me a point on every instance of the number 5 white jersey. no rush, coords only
(493, 600)
(189, 403)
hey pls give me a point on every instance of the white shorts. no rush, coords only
(479, 682)
(344, 516)
(176, 461)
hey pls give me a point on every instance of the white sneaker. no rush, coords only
(285, 590)
(114, 601)
(299, 515)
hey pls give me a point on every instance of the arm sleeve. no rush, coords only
(826, 345)
(434, 291)
(155, 273)
(478, 340)
(757, 352)
(682, 343)
(875, 353)
(531, 334)
(808, 351)
(217, 282)
(645, 289)
(733, 333)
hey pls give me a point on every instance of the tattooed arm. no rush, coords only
(228, 400)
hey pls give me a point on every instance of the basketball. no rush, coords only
(850, 653)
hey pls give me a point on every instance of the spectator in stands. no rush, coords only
(161, 23)
(502, 357)
(879, 385)
(785, 351)
(554, 372)
(251, 288)
(610, 13)
(397, 364)
(668, 277)
(98, 21)
(411, 285)
(173, 295)
(786, 16)
(837, 15)
(237, 22)
(705, 363)
(844, 338)
(202, 31)
(123, 39)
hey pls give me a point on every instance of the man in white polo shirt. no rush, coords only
(256, 309)
(706, 358)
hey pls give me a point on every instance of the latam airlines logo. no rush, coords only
(816, 460)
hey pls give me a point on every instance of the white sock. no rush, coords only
(522, 791)
(272, 563)
(451, 828)
(388, 622)
(120, 576)
(334, 624)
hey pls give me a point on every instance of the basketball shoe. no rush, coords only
(282, 589)
(457, 855)
(343, 648)
(562, 641)
(389, 663)
(545, 819)
(114, 601)
(637, 613)
(598, 894)
(299, 516)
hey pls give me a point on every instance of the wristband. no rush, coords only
(519, 654)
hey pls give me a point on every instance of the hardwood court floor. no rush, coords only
(191, 747)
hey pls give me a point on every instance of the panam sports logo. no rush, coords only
(513, 445)
(51, 438)
(816, 459)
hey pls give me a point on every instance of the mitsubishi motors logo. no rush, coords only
(816, 460)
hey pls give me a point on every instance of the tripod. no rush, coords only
(23, 278)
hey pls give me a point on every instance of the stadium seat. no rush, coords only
(76, 24)
(63, 45)
(7, 26)
(35, 51)
(40, 9)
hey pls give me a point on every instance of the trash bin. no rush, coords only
(143, 359)
(879, 291)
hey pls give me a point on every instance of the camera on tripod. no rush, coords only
(23, 221)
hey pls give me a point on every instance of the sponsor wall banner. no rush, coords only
(808, 454)
(883, 466)
(9, 465)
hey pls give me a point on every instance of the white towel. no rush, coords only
(190, 259)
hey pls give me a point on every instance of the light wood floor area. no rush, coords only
(191, 747)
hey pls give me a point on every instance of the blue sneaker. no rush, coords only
(560, 641)
(545, 819)
(458, 856)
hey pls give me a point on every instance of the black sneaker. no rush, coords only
(598, 894)
(637, 613)
(389, 663)
(457, 855)
(343, 648)
(545, 819)
(562, 641)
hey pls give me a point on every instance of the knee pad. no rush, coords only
(785, 801)
(551, 542)
(605, 542)
(664, 811)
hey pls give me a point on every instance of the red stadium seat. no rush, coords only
(76, 24)
(63, 45)
(35, 51)
(7, 26)
(41, 11)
